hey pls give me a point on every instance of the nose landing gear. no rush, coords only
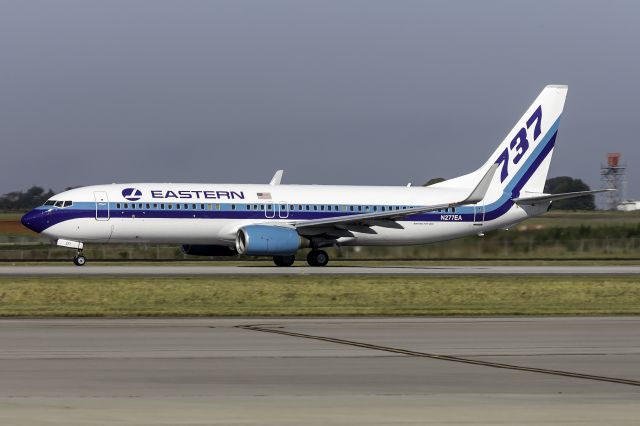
(79, 259)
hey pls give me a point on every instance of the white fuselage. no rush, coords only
(213, 213)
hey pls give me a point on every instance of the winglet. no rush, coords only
(481, 189)
(277, 178)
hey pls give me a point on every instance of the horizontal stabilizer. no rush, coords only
(552, 197)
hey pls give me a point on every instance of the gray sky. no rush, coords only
(354, 92)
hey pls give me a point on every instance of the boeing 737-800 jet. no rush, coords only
(278, 220)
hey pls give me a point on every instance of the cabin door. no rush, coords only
(269, 211)
(283, 210)
(102, 205)
(478, 215)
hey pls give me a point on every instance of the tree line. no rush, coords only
(25, 200)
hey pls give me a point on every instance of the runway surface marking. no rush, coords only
(156, 270)
(443, 357)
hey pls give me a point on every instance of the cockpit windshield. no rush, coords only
(58, 203)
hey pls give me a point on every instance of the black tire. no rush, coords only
(317, 258)
(79, 260)
(284, 260)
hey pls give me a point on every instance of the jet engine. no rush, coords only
(265, 240)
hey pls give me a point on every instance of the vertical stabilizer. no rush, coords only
(523, 157)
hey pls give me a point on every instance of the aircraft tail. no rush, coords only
(524, 156)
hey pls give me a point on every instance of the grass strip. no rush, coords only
(318, 296)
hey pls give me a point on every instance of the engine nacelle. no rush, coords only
(204, 250)
(265, 240)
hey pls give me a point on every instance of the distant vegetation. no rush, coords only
(561, 184)
(26, 200)
(433, 181)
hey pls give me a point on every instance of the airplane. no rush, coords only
(278, 220)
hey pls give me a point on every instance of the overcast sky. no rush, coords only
(353, 92)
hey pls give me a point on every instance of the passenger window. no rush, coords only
(306, 207)
(201, 206)
(126, 205)
(375, 208)
(322, 208)
(292, 207)
(217, 206)
(233, 206)
(162, 206)
(117, 205)
(178, 206)
(169, 206)
(336, 208)
(351, 208)
(359, 208)
(283, 207)
(315, 207)
(382, 208)
(269, 207)
(255, 207)
(148, 206)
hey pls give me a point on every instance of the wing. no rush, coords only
(474, 197)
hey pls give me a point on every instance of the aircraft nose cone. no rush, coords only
(32, 220)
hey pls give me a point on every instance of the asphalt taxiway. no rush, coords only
(158, 270)
(248, 371)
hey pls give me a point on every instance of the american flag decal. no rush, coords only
(264, 195)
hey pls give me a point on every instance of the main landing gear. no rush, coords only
(314, 258)
(317, 258)
(284, 260)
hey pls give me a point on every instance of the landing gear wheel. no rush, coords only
(317, 258)
(79, 260)
(284, 260)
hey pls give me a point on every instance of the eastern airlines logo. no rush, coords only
(131, 194)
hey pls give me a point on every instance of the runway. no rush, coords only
(159, 270)
(213, 371)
